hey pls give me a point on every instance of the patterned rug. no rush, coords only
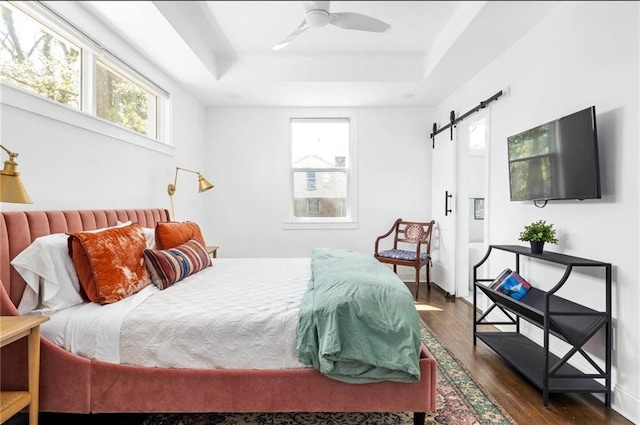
(460, 401)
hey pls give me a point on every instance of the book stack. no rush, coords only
(510, 283)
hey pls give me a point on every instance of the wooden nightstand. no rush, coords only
(13, 328)
(213, 251)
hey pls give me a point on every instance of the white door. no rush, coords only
(443, 203)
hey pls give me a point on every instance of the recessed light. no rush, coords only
(234, 95)
(408, 95)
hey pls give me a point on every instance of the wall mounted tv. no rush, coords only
(557, 160)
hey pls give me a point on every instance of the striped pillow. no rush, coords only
(169, 266)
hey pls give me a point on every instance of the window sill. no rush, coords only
(33, 103)
(317, 225)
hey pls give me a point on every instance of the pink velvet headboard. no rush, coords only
(19, 228)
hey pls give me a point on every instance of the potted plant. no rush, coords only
(537, 233)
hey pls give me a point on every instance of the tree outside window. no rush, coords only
(123, 102)
(35, 58)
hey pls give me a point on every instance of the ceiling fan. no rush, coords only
(318, 16)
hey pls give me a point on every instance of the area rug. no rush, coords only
(460, 400)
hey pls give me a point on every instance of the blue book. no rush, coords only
(514, 286)
(498, 280)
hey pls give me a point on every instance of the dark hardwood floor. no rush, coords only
(452, 322)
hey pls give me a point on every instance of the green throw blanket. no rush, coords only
(358, 323)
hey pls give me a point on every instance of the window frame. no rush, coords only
(350, 221)
(90, 52)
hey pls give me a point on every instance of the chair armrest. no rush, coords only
(379, 238)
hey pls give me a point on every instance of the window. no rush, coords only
(37, 58)
(477, 135)
(123, 102)
(321, 173)
(311, 180)
(478, 208)
(313, 206)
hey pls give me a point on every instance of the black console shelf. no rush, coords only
(565, 319)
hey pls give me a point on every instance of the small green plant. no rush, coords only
(539, 231)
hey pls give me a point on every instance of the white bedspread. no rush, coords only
(92, 330)
(238, 314)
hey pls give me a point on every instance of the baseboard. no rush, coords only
(622, 400)
(627, 404)
(470, 304)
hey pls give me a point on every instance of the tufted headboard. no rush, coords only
(19, 228)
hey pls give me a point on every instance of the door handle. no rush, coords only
(447, 195)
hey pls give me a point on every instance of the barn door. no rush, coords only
(444, 171)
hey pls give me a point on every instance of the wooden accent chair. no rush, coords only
(407, 233)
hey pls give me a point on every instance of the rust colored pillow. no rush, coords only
(172, 234)
(110, 264)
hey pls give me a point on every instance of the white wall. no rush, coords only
(247, 158)
(71, 160)
(583, 54)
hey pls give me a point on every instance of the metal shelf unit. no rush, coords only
(571, 322)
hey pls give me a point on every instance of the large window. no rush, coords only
(38, 58)
(35, 58)
(321, 170)
(123, 102)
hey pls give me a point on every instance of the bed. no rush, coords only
(75, 384)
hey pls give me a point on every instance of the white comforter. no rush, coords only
(238, 314)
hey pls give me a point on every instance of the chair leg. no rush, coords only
(395, 269)
(428, 276)
(417, 281)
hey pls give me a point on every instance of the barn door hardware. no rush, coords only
(453, 120)
(434, 131)
(447, 195)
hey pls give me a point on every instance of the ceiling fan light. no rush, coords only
(317, 18)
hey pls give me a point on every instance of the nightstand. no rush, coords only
(213, 251)
(13, 328)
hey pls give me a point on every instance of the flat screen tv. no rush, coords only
(557, 160)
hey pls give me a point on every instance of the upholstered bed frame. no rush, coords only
(69, 383)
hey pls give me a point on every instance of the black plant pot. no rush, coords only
(536, 247)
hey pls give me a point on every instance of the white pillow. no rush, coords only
(149, 233)
(47, 258)
(52, 281)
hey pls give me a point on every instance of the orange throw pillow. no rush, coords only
(110, 264)
(172, 234)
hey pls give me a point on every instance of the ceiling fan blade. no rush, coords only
(356, 21)
(301, 28)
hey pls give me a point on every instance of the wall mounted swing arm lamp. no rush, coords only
(11, 187)
(203, 186)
